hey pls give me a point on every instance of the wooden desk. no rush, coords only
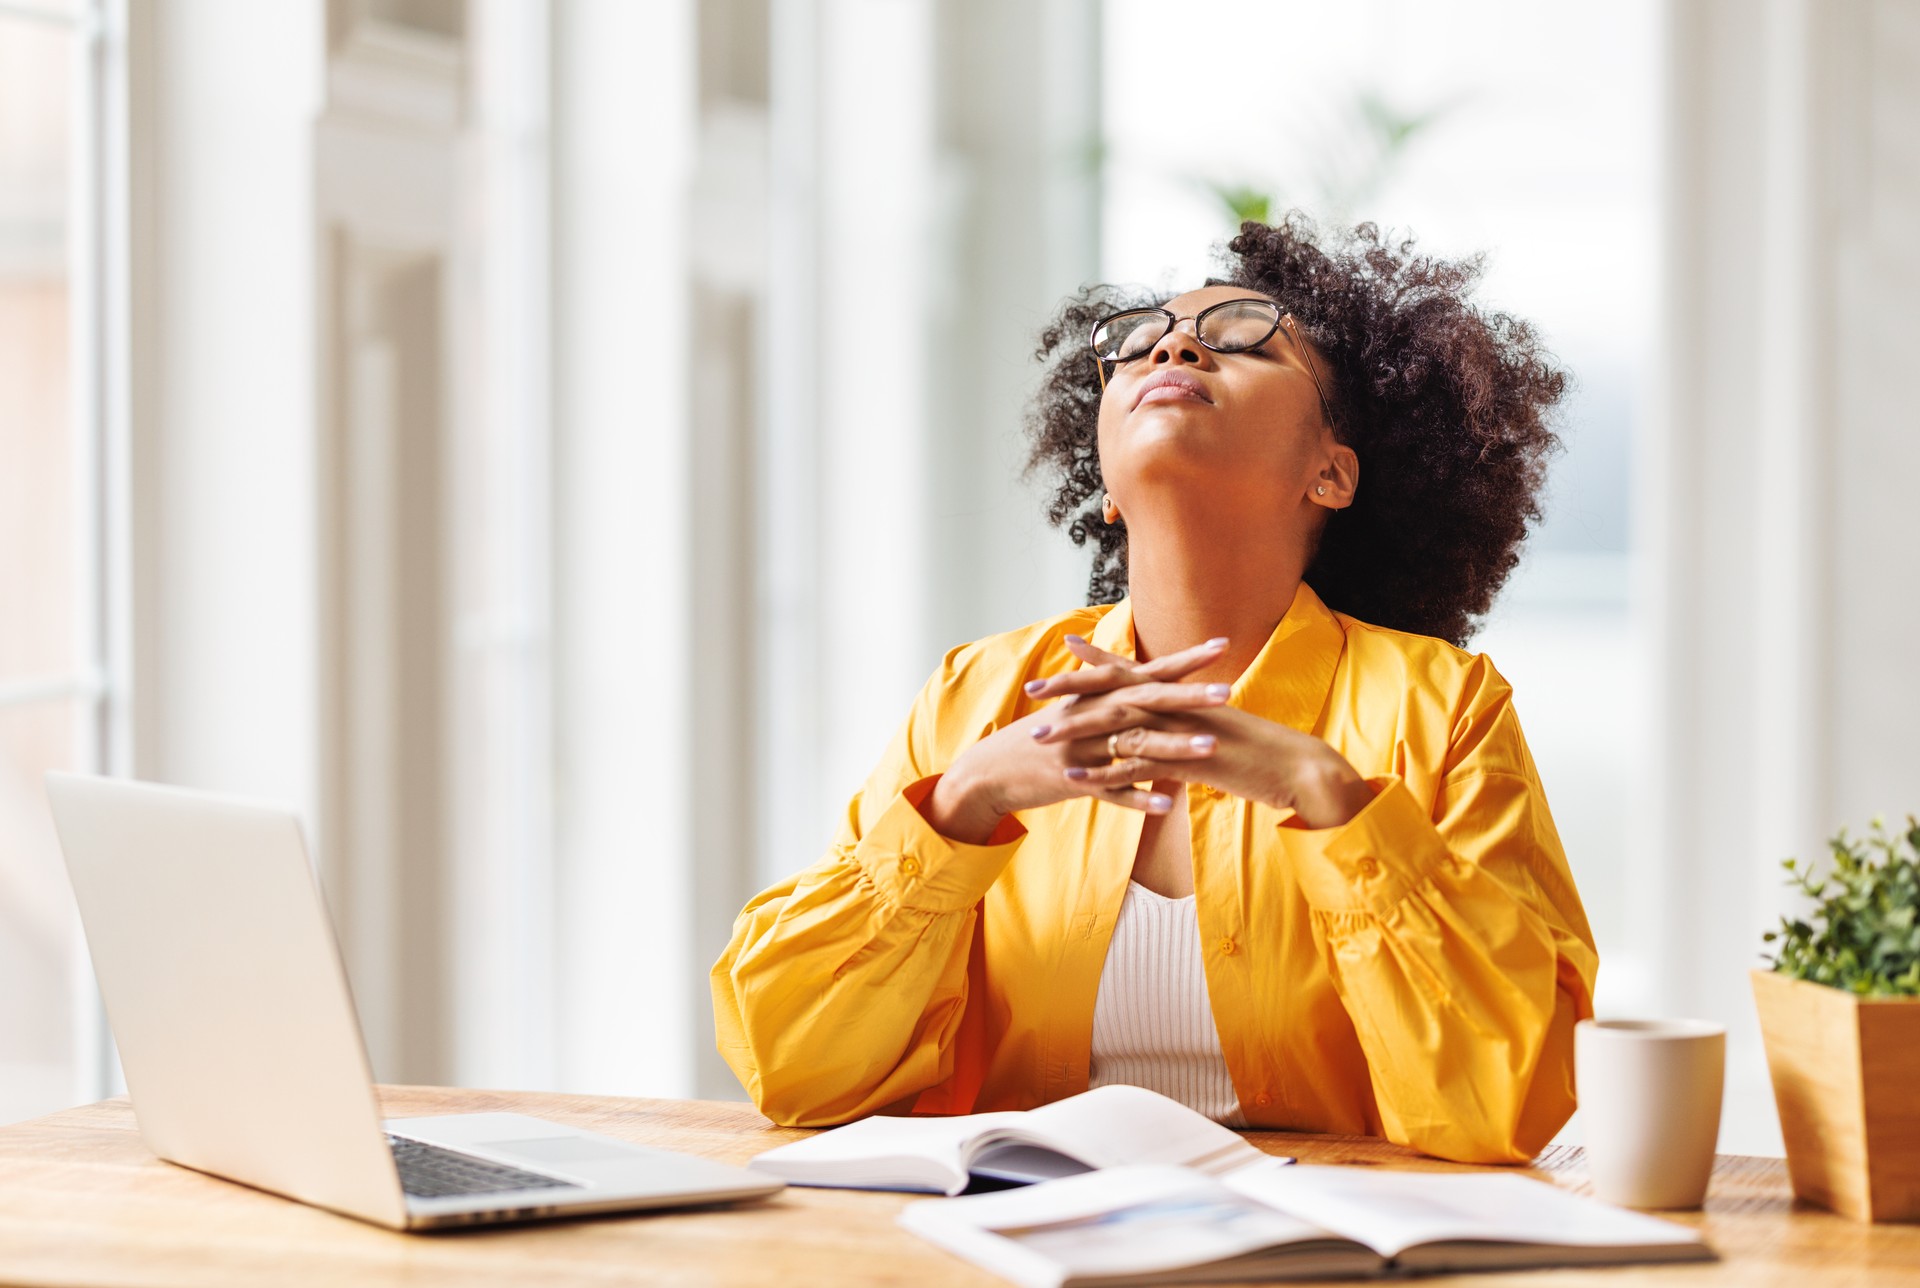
(82, 1202)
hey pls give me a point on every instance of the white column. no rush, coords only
(500, 567)
(222, 98)
(870, 348)
(630, 994)
(1777, 480)
(1870, 194)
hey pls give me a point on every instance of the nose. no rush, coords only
(1180, 345)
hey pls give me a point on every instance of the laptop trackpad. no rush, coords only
(558, 1151)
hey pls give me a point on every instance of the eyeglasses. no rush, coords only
(1232, 326)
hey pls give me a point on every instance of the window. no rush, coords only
(59, 704)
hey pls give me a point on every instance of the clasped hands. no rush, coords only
(1119, 723)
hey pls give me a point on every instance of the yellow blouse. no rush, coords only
(1415, 973)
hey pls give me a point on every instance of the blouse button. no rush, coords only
(1228, 947)
(1262, 1100)
(1206, 790)
(1369, 868)
(909, 867)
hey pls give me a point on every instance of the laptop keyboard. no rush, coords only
(430, 1172)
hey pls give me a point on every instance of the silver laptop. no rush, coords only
(242, 1051)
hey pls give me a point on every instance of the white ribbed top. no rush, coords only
(1152, 1021)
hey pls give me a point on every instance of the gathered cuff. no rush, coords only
(913, 866)
(1368, 863)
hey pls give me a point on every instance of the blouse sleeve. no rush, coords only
(843, 988)
(1458, 944)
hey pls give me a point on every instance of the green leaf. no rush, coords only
(1862, 931)
(1244, 202)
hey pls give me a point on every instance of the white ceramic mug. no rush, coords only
(1650, 1107)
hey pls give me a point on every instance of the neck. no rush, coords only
(1201, 576)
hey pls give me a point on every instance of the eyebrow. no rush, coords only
(1232, 299)
(1215, 283)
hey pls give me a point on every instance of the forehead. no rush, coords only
(1185, 306)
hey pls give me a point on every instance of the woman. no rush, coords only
(1259, 834)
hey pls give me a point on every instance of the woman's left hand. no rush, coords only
(1251, 756)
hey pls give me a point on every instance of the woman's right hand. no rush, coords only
(1009, 770)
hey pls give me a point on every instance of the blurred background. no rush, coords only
(548, 442)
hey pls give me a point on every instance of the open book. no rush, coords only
(1147, 1225)
(1105, 1127)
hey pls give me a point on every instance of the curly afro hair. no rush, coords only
(1446, 405)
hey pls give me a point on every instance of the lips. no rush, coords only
(1171, 386)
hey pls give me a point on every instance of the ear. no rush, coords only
(1339, 475)
(1108, 510)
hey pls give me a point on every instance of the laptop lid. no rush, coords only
(225, 990)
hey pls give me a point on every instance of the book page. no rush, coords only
(1131, 1221)
(1394, 1211)
(885, 1153)
(1109, 1126)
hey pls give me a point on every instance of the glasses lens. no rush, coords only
(1238, 324)
(1128, 335)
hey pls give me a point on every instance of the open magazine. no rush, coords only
(1148, 1225)
(1105, 1127)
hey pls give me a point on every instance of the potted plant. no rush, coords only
(1840, 1014)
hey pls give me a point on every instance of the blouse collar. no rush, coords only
(1288, 680)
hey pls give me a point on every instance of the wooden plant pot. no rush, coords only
(1844, 1073)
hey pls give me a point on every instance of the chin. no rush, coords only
(1186, 435)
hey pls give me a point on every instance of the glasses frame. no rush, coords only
(1282, 321)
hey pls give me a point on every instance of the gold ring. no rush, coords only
(1113, 745)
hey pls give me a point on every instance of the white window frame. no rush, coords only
(97, 678)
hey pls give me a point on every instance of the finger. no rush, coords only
(1135, 798)
(1134, 769)
(1104, 671)
(1103, 678)
(1171, 667)
(1137, 743)
(1140, 703)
